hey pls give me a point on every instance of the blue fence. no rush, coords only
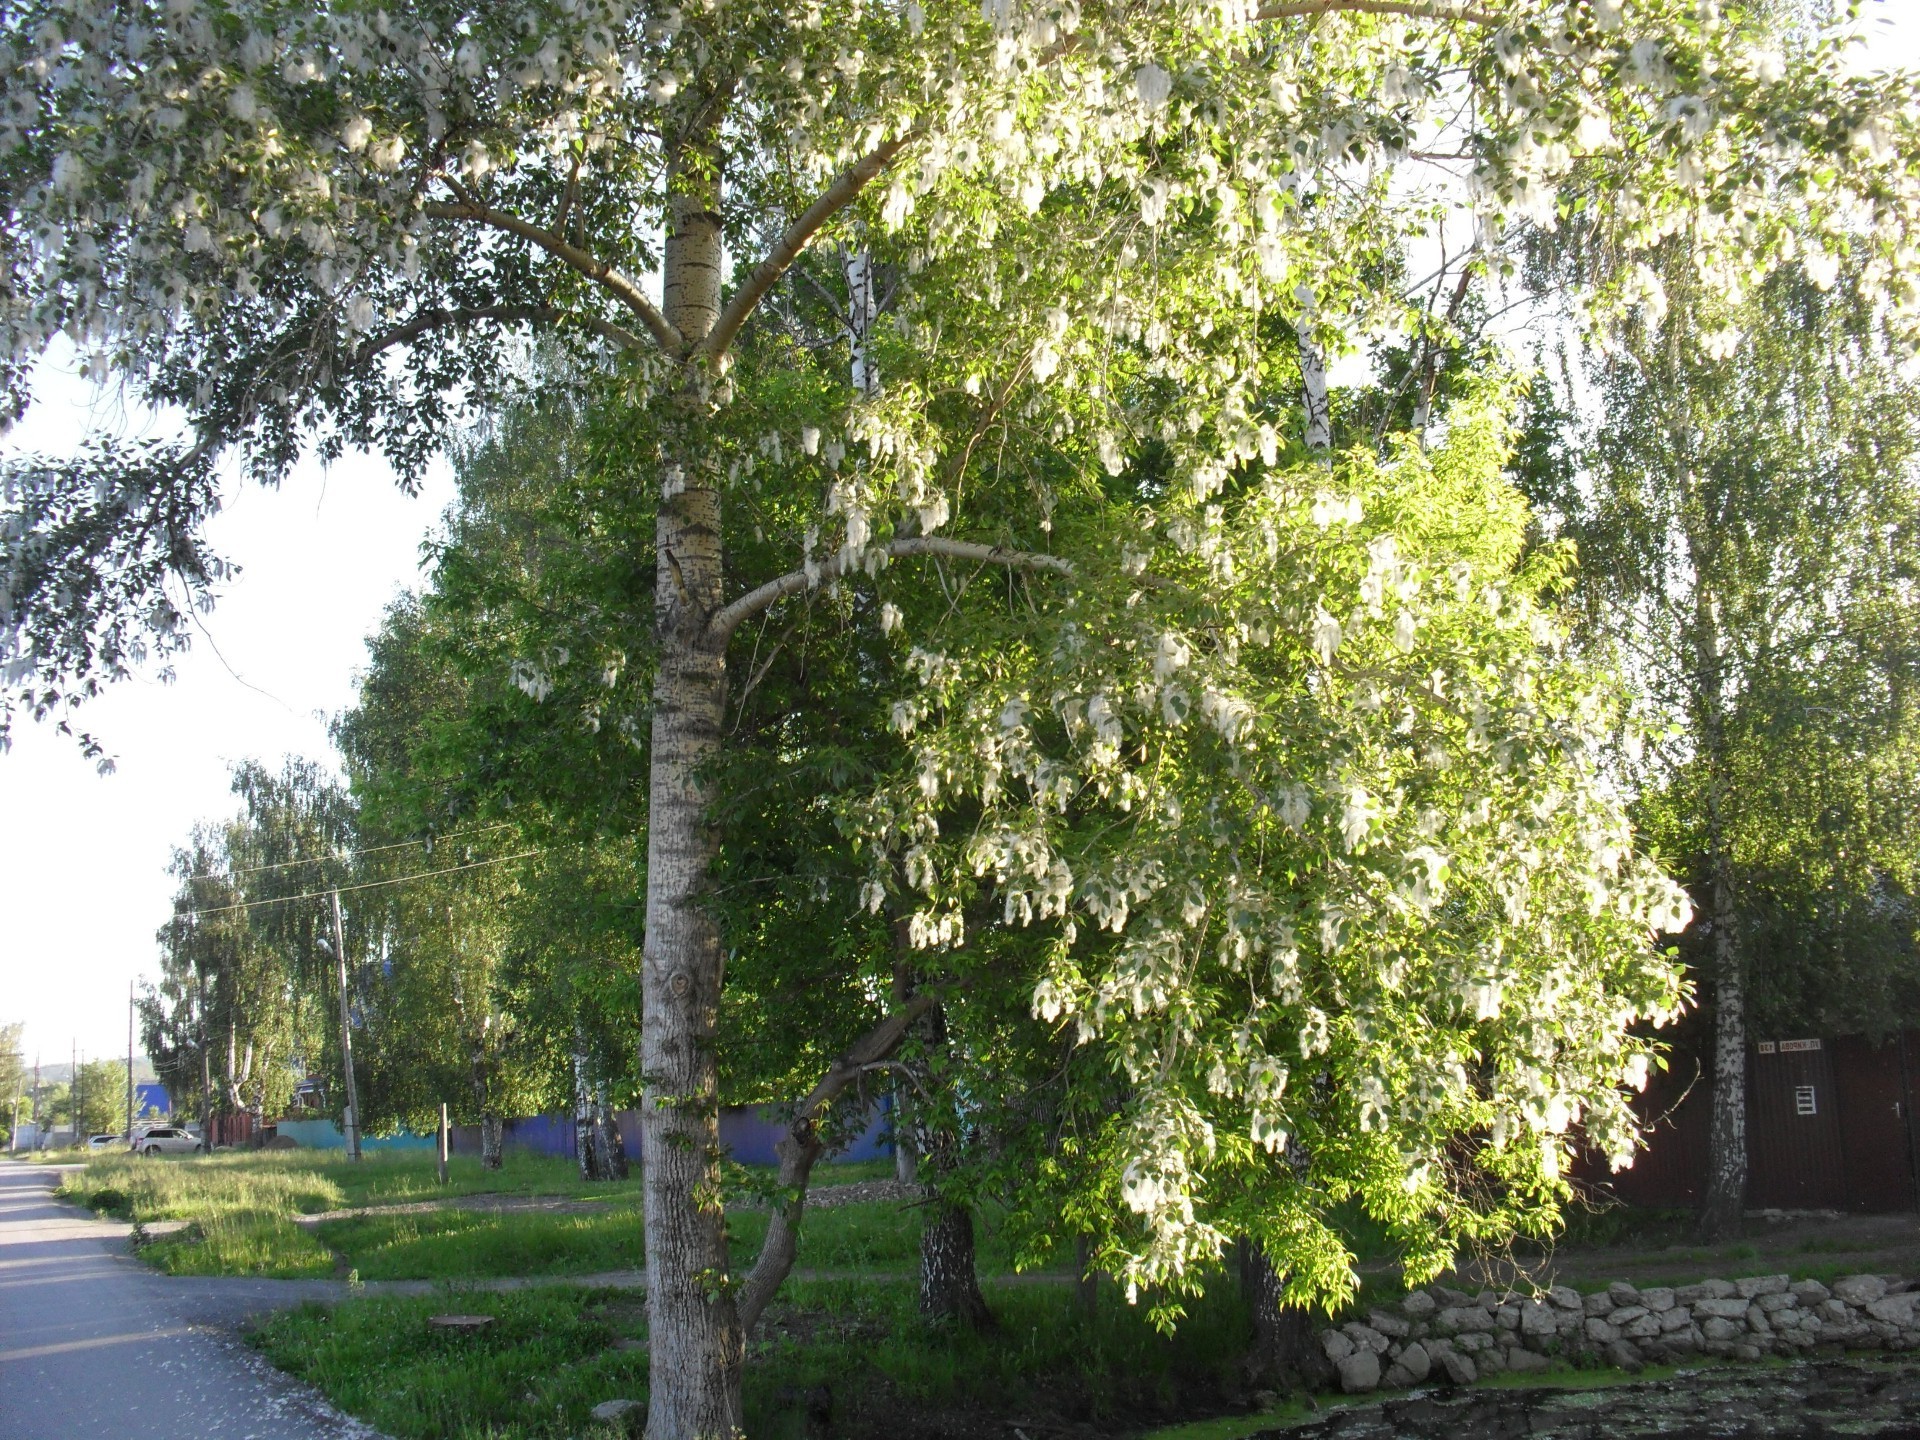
(749, 1134)
(325, 1135)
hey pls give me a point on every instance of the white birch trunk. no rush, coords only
(1725, 1200)
(862, 309)
(582, 1114)
(1313, 394)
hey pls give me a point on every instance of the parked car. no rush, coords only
(168, 1140)
(105, 1142)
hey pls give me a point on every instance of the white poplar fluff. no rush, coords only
(312, 228)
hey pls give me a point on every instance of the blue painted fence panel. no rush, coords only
(325, 1135)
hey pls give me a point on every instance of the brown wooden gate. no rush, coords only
(1830, 1126)
(1795, 1157)
(1876, 1101)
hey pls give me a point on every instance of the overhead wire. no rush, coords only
(366, 884)
(349, 854)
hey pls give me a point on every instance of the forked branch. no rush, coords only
(800, 1147)
(836, 197)
(720, 629)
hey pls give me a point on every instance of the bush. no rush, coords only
(109, 1201)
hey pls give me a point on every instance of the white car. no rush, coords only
(168, 1140)
(105, 1142)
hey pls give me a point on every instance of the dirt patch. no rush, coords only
(1795, 1402)
(864, 1192)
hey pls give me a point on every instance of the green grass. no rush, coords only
(463, 1244)
(456, 1244)
(241, 1206)
(240, 1210)
(551, 1356)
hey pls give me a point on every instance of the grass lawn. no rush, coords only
(241, 1211)
(457, 1244)
(241, 1205)
(855, 1350)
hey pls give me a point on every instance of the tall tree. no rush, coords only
(1747, 508)
(312, 227)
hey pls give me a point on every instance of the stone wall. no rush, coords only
(1451, 1337)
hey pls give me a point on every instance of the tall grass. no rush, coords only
(551, 1355)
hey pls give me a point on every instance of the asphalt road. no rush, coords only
(93, 1345)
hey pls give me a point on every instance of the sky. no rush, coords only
(83, 882)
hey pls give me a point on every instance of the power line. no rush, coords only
(367, 884)
(349, 854)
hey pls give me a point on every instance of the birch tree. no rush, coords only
(1747, 500)
(327, 227)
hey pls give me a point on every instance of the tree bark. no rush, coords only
(1725, 1200)
(582, 1115)
(1313, 394)
(609, 1154)
(1286, 1352)
(949, 1281)
(492, 1141)
(696, 1342)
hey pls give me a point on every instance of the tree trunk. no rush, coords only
(862, 309)
(609, 1150)
(906, 1165)
(1720, 1212)
(492, 1141)
(1313, 394)
(582, 1115)
(1086, 1285)
(1286, 1352)
(696, 1345)
(949, 1284)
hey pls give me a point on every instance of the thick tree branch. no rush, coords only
(800, 1147)
(439, 318)
(837, 196)
(591, 266)
(720, 629)
(1416, 9)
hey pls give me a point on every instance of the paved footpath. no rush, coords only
(93, 1344)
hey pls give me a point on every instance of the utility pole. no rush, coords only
(73, 1093)
(38, 1143)
(351, 1118)
(129, 1062)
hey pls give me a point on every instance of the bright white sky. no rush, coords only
(83, 882)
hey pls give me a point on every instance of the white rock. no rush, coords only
(1359, 1372)
(1859, 1289)
(1893, 1309)
(1416, 1362)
